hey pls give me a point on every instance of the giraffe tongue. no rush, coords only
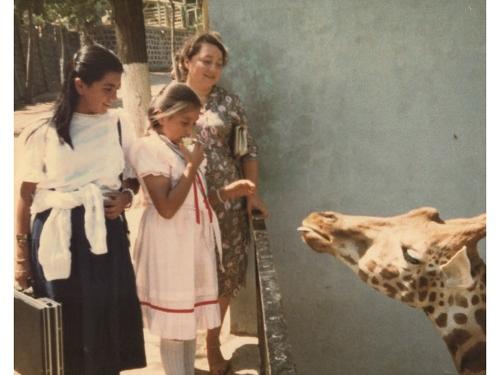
(309, 233)
(304, 229)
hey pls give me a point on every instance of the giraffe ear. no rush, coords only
(457, 270)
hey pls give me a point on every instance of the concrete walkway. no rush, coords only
(243, 350)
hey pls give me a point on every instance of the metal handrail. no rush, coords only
(272, 330)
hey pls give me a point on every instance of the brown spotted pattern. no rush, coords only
(470, 361)
(456, 339)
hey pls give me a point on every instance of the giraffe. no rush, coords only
(422, 261)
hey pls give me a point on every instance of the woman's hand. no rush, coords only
(115, 203)
(237, 189)
(254, 202)
(22, 269)
(195, 156)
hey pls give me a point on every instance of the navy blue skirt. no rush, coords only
(101, 314)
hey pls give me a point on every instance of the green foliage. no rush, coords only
(73, 14)
(21, 6)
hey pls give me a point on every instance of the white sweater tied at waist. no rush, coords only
(54, 250)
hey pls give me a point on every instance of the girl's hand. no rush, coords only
(195, 156)
(115, 203)
(255, 202)
(237, 189)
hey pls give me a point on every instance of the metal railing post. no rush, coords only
(273, 338)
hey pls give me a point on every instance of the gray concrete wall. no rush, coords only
(369, 107)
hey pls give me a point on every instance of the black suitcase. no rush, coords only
(38, 346)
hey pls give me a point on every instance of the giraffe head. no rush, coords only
(415, 257)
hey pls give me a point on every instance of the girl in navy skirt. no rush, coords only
(76, 184)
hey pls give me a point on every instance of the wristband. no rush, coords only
(22, 238)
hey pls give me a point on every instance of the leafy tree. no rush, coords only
(80, 15)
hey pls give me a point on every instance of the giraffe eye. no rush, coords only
(411, 256)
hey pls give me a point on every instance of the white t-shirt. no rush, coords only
(96, 156)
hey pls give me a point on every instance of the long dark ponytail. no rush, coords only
(90, 64)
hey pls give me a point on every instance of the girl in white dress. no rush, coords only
(174, 253)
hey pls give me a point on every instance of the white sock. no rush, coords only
(189, 356)
(172, 356)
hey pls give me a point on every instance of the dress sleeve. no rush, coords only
(128, 138)
(252, 146)
(146, 159)
(33, 150)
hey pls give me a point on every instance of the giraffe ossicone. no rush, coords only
(421, 260)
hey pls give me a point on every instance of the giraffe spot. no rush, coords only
(422, 295)
(409, 297)
(475, 299)
(407, 277)
(363, 275)
(431, 273)
(481, 286)
(451, 300)
(371, 265)
(390, 289)
(441, 284)
(441, 295)
(390, 272)
(442, 320)
(455, 339)
(432, 296)
(349, 259)
(375, 281)
(422, 282)
(480, 316)
(441, 303)
(413, 284)
(401, 286)
(429, 309)
(460, 318)
(474, 359)
(461, 301)
(434, 284)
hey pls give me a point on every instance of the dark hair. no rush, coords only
(191, 47)
(90, 63)
(173, 98)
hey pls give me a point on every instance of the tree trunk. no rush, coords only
(131, 44)
(42, 64)
(18, 44)
(84, 35)
(28, 87)
(62, 54)
(175, 67)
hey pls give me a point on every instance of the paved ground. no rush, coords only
(243, 350)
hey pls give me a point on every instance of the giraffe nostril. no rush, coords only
(329, 216)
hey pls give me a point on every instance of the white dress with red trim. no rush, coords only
(174, 259)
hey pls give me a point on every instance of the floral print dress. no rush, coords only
(214, 127)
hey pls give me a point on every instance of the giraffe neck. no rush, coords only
(460, 317)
